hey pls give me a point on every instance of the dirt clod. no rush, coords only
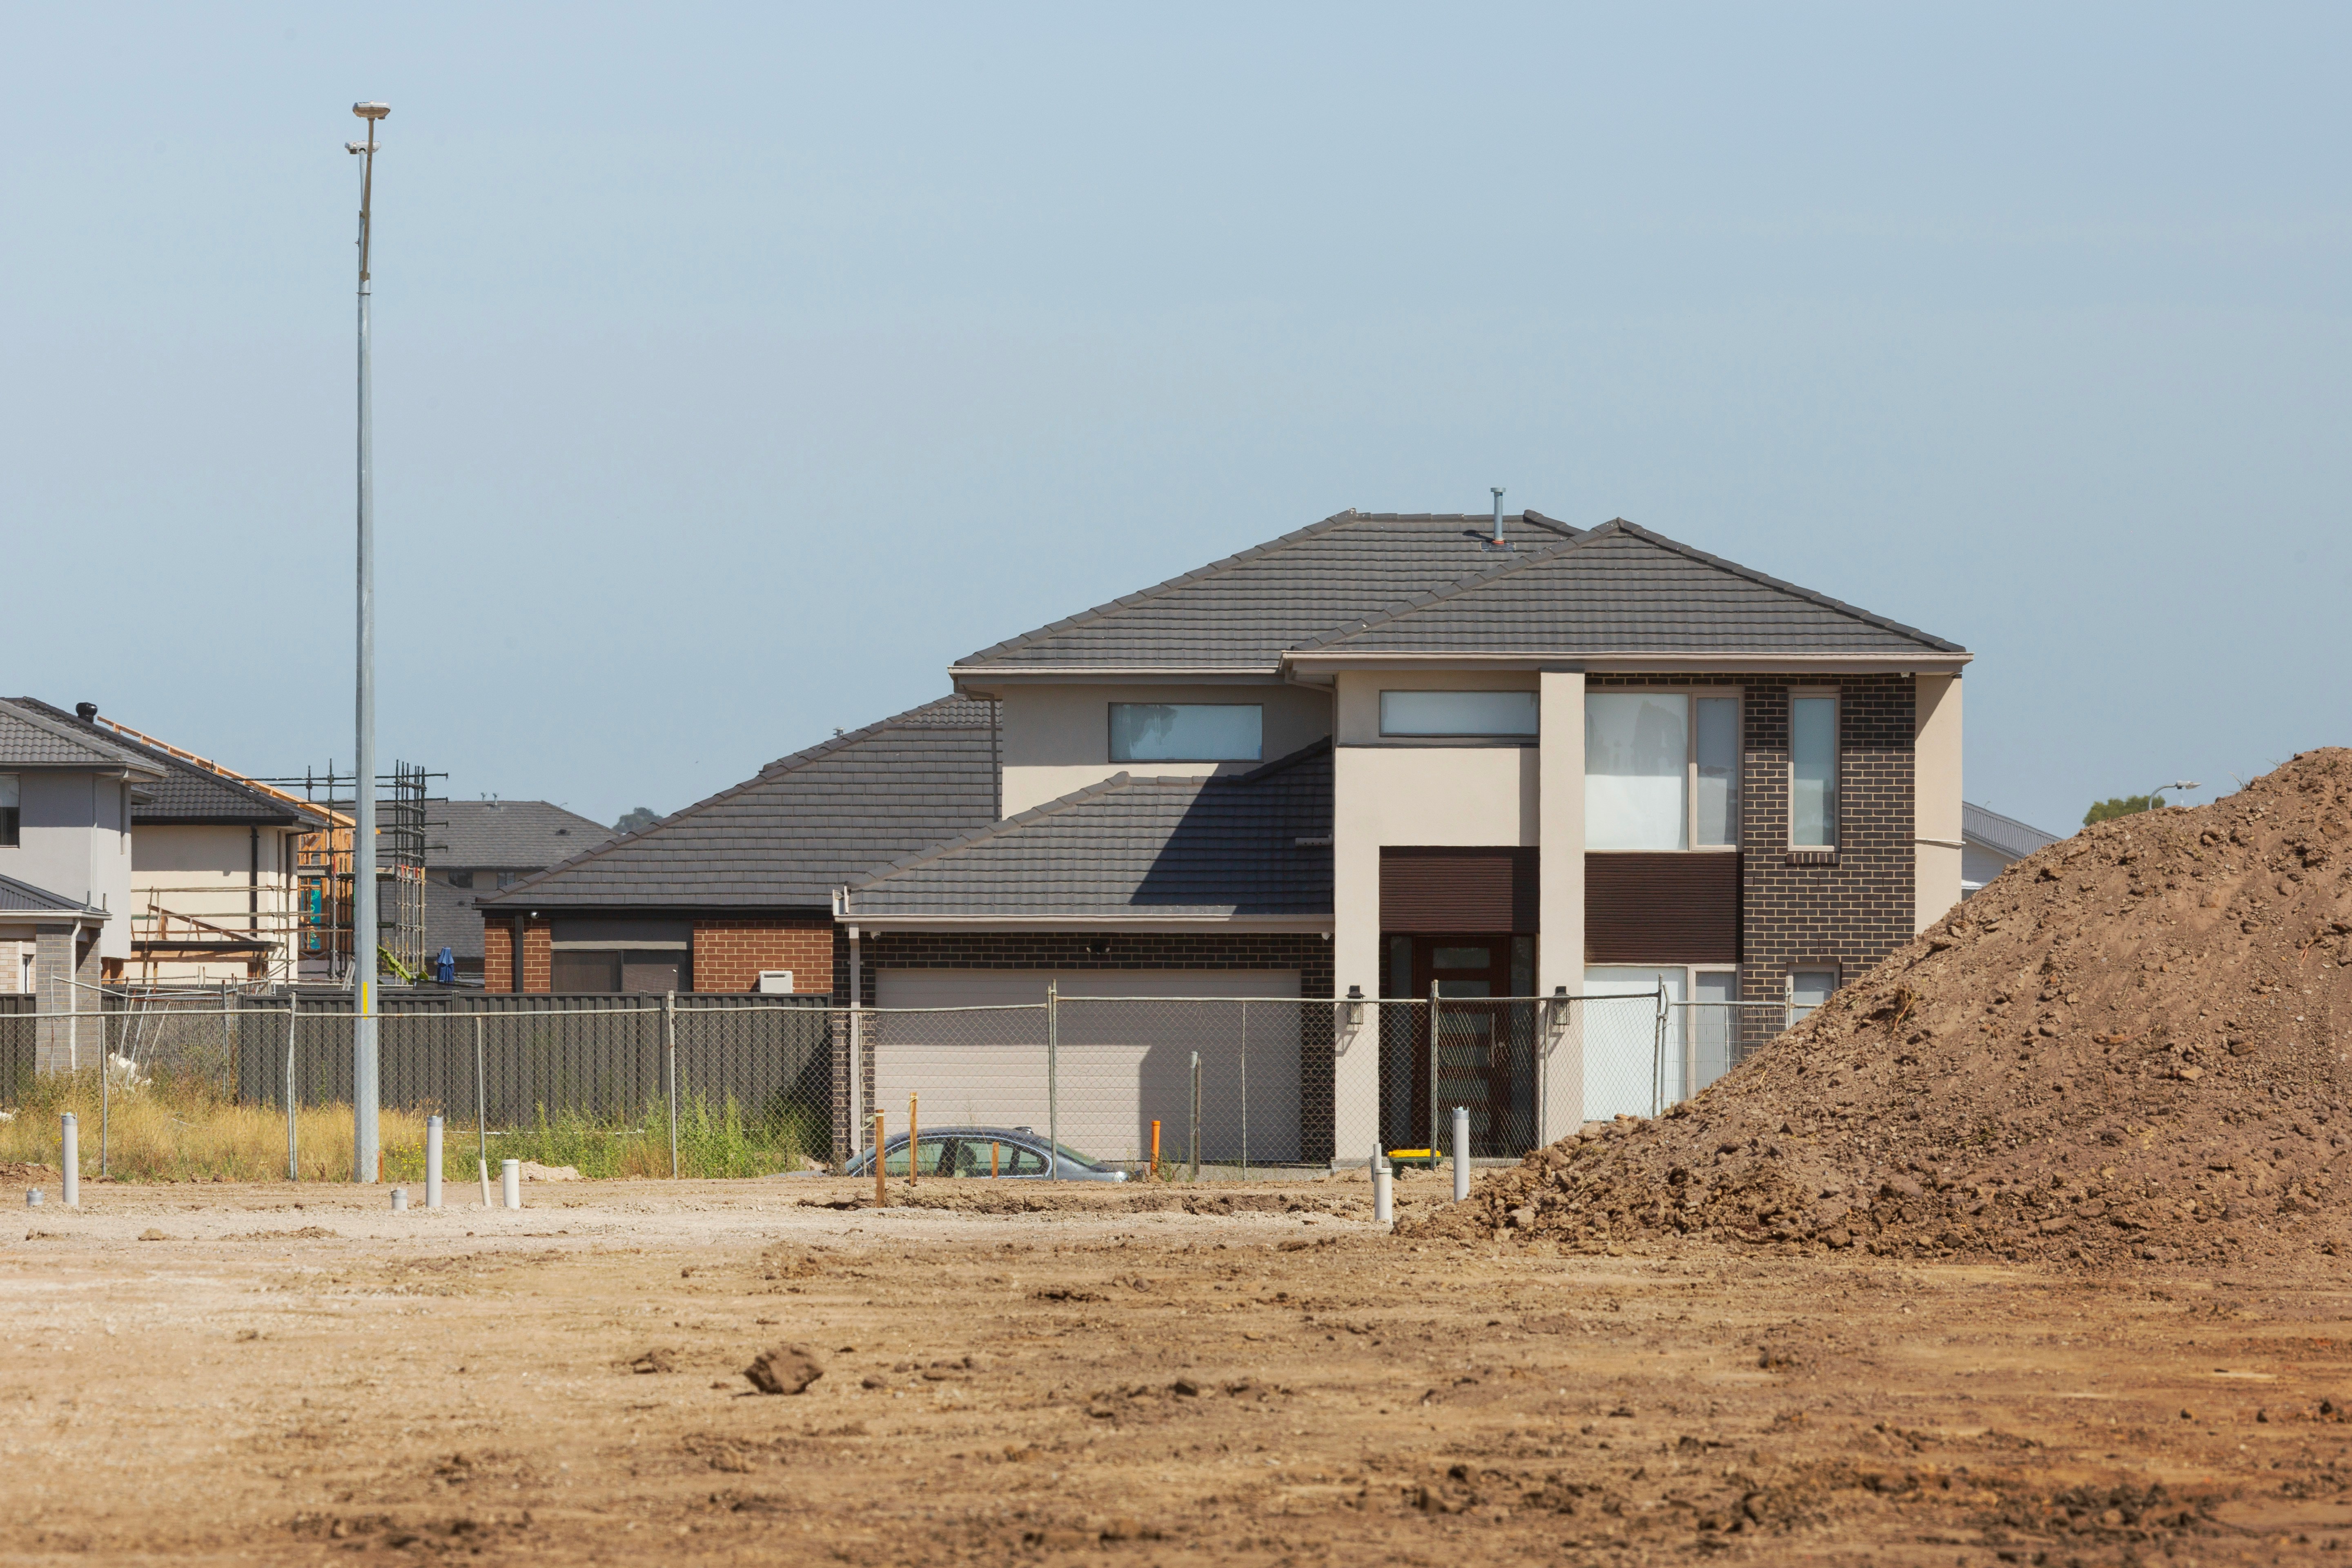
(786, 1369)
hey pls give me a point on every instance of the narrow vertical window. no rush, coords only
(1717, 758)
(8, 803)
(1812, 772)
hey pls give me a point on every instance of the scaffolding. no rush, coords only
(324, 872)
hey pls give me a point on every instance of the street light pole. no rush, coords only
(2156, 796)
(366, 1149)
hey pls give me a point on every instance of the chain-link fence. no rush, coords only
(180, 1083)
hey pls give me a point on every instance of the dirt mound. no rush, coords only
(2126, 1047)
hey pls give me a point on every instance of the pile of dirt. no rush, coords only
(2126, 1046)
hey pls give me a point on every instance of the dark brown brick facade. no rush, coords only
(498, 955)
(1804, 911)
(1309, 952)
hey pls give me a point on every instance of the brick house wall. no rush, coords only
(497, 956)
(1309, 952)
(729, 955)
(1807, 909)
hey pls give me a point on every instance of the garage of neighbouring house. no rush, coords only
(1124, 1044)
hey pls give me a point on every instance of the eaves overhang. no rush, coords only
(978, 681)
(1202, 923)
(1314, 667)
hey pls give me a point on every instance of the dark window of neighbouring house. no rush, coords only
(1187, 732)
(9, 810)
(461, 879)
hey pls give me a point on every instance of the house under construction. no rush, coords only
(323, 871)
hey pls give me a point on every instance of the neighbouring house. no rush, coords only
(1991, 842)
(214, 893)
(1387, 756)
(477, 847)
(65, 803)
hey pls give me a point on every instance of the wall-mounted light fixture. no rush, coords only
(1556, 1009)
(1355, 1006)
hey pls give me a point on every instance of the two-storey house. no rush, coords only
(1386, 756)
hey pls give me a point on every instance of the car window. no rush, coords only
(932, 1154)
(1020, 1160)
(971, 1156)
(894, 1160)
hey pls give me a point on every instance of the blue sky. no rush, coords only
(738, 369)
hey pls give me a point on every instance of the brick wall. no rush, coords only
(1309, 952)
(498, 955)
(1843, 911)
(729, 955)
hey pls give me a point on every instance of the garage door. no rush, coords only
(972, 1043)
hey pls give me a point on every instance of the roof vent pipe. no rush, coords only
(86, 711)
(1500, 542)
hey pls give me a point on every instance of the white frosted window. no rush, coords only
(1187, 732)
(1812, 772)
(1457, 712)
(1636, 757)
(1719, 770)
(1808, 989)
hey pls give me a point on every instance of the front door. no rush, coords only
(1476, 1050)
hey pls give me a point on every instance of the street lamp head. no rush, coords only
(371, 111)
(355, 147)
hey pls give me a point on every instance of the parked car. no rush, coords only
(1008, 1153)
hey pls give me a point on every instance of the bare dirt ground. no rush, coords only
(289, 1374)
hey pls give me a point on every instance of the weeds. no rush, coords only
(185, 1129)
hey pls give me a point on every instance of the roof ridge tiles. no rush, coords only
(1622, 528)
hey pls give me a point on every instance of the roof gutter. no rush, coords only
(1268, 923)
(1305, 664)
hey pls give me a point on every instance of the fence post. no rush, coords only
(1433, 1036)
(482, 1116)
(293, 1165)
(1244, 1090)
(669, 1042)
(914, 1151)
(228, 1040)
(1658, 1055)
(1196, 1116)
(1053, 1085)
(105, 1089)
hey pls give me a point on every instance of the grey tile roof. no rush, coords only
(2005, 835)
(451, 920)
(22, 899)
(806, 824)
(30, 737)
(1134, 848)
(184, 792)
(1621, 588)
(1241, 613)
(507, 835)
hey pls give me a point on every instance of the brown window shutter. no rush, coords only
(1436, 891)
(1661, 909)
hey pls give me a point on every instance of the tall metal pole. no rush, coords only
(366, 1149)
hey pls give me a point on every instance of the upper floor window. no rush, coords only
(1812, 772)
(1187, 732)
(8, 808)
(1661, 771)
(1458, 713)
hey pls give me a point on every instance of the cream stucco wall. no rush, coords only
(1470, 797)
(1936, 797)
(1056, 739)
(1560, 943)
(206, 871)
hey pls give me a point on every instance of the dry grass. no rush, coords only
(187, 1131)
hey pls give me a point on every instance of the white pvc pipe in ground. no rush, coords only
(1461, 1152)
(71, 1158)
(1384, 1192)
(400, 1200)
(433, 1162)
(511, 1182)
